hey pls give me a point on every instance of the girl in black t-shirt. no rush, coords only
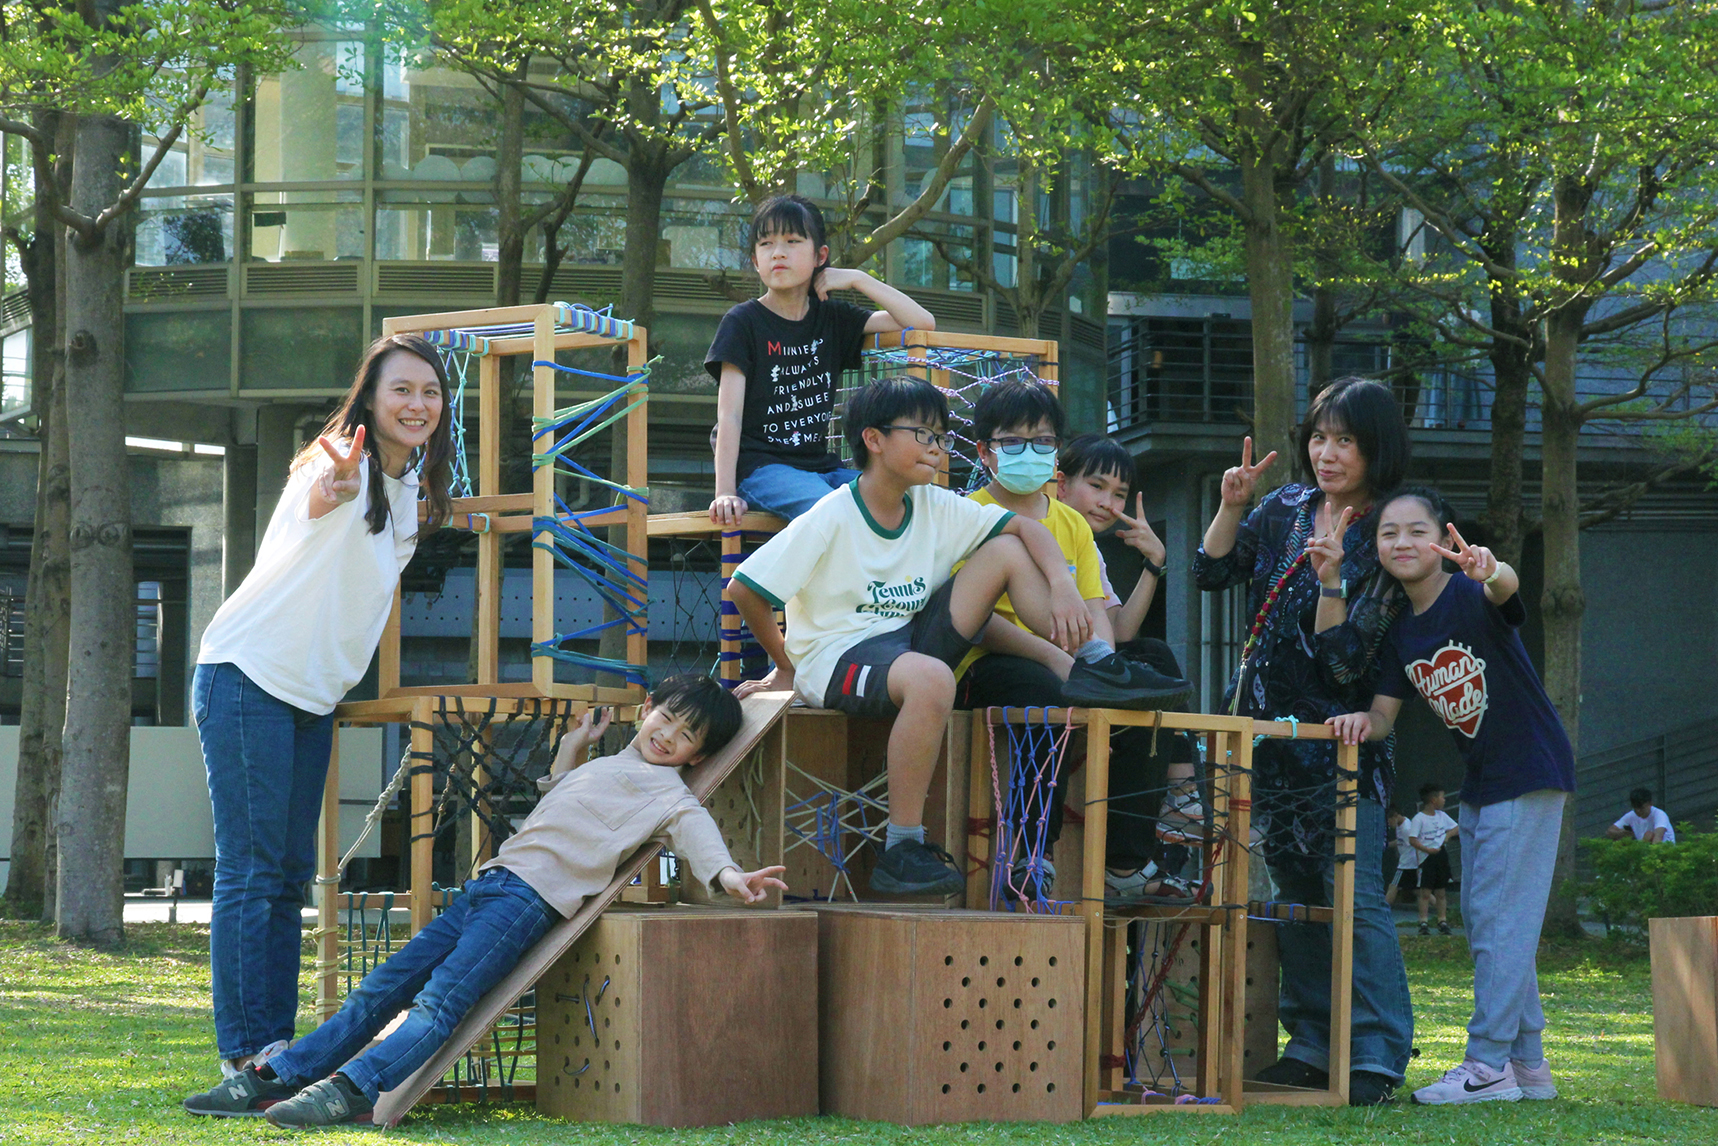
(776, 360)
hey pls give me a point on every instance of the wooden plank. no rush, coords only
(543, 504)
(466, 319)
(1685, 1007)
(420, 822)
(1091, 906)
(490, 569)
(567, 340)
(1238, 816)
(698, 524)
(1342, 928)
(636, 512)
(948, 340)
(981, 814)
(526, 690)
(762, 715)
(388, 652)
(328, 867)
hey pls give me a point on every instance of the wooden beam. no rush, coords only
(698, 524)
(327, 888)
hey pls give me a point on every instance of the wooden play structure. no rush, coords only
(913, 1011)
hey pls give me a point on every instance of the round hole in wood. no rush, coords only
(965, 1023)
(1052, 960)
(980, 1044)
(947, 1003)
(1034, 1024)
(998, 1068)
(1016, 1044)
(1018, 960)
(1017, 1004)
(984, 960)
(963, 1068)
(983, 1003)
(1034, 980)
(1016, 1088)
(947, 1044)
(617, 1088)
(998, 1024)
(1051, 1089)
(1052, 1045)
(965, 981)
(1052, 1004)
(1001, 982)
(981, 1088)
(948, 961)
(1032, 1066)
(945, 1088)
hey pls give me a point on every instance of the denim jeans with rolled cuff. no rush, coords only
(266, 764)
(440, 975)
(1382, 1032)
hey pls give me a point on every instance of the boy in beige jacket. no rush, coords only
(589, 819)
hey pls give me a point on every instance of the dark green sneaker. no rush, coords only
(245, 1095)
(912, 868)
(330, 1102)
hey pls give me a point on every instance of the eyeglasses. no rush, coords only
(922, 435)
(1016, 445)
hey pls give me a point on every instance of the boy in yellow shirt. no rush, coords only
(1018, 427)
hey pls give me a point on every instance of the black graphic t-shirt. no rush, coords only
(1464, 656)
(791, 370)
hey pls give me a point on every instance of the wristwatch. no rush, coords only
(1340, 593)
(1154, 570)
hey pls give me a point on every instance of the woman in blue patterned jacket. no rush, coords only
(1352, 446)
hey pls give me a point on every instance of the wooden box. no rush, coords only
(1685, 1007)
(930, 1016)
(683, 1016)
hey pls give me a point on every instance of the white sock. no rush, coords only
(896, 834)
(1093, 651)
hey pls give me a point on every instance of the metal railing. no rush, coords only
(1680, 766)
(146, 655)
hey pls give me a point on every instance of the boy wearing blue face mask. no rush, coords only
(1018, 426)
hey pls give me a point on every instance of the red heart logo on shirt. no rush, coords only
(1453, 683)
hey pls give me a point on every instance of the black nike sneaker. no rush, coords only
(1115, 682)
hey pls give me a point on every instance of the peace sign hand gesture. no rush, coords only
(339, 483)
(1240, 482)
(1478, 562)
(1138, 534)
(1325, 552)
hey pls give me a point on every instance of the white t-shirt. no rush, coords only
(1654, 820)
(842, 577)
(309, 615)
(1406, 857)
(1430, 829)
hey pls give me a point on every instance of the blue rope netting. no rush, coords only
(606, 568)
(1020, 866)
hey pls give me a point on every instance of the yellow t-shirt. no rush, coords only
(1074, 536)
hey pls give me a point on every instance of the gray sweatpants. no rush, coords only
(1508, 851)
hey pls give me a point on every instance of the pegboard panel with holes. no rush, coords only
(930, 1016)
(655, 1013)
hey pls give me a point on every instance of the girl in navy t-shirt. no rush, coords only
(777, 359)
(1458, 647)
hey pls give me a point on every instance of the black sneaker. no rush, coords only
(1115, 682)
(1425, 929)
(245, 1095)
(1369, 1088)
(1293, 1072)
(333, 1101)
(913, 868)
(1443, 927)
(1033, 883)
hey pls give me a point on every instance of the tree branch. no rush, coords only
(904, 220)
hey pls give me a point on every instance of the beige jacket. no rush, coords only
(592, 817)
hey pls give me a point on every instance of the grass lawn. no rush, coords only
(100, 1047)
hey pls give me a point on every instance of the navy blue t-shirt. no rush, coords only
(1465, 657)
(792, 370)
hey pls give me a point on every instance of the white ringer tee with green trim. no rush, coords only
(841, 577)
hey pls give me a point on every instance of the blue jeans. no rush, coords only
(266, 762)
(440, 974)
(788, 492)
(1382, 1032)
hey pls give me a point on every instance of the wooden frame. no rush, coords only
(515, 513)
(1224, 923)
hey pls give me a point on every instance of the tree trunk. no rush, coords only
(509, 233)
(47, 601)
(646, 186)
(1321, 335)
(1512, 374)
(1270, 286)
(96, 766)
(1563, 602)
(1028, 303)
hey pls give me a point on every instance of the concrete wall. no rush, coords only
(167, 813)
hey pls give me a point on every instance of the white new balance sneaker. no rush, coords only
(1472, 1081)
(1534, 1081)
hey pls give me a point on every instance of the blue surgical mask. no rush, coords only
(1024, 472)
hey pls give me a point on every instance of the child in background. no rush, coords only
(1396, 852)
(1643, 821)
(1427, 833)
(776, 360)
(591, 817)
(1458, 647)
(877, 619)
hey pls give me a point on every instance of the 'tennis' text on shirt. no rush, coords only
(888, 600)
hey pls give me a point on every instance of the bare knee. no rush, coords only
(920, 682)
(1004, 549)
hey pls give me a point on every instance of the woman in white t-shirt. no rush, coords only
(282, 651)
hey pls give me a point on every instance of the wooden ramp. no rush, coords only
(762, 712)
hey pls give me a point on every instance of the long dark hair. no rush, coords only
(1370, 412)
(358, 409)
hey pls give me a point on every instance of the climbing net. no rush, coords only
(837, 824)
